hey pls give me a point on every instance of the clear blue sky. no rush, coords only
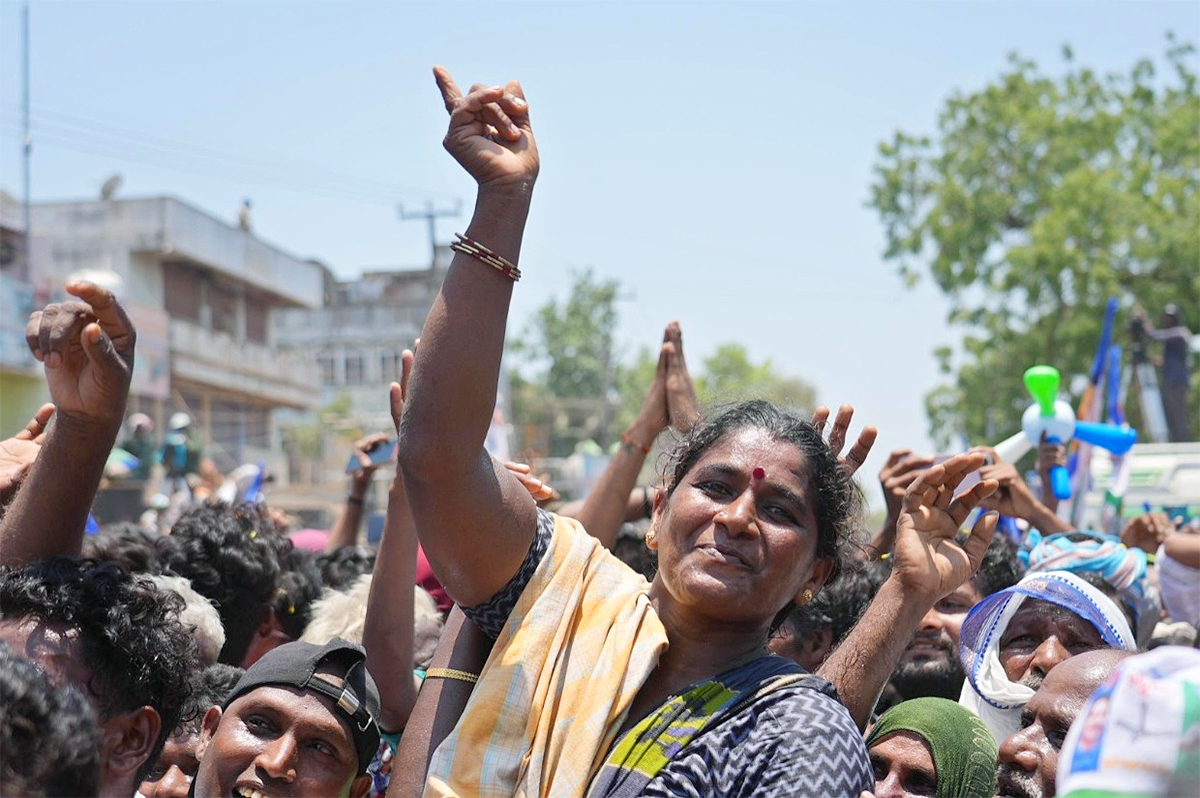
(713, 157)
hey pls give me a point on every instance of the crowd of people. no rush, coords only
(753, 639)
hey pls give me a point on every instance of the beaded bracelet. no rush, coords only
(452, 673)
(478, 251)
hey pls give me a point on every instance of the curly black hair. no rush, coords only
(125, 543)
(209, 688)
(1000, 567)
(837, 607)
(231, 562)
(130, 638)
(48, 733)
(299, 586)
(341, 567)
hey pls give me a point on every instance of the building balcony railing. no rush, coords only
(214, 359)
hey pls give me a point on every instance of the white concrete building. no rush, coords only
(203, 294)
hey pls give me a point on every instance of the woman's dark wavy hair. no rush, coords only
(342, 567)
(232, 560)
(48, 733)
(130, 638)
(834, 498)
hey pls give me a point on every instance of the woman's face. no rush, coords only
(737, 539)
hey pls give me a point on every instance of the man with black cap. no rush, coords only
(300, 721)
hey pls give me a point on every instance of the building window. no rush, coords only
(328, 375)
(223, 302)
(258, 316)
(355, 369)
(182, 291)
(389, 367)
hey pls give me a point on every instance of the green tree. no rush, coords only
(566, 379)
(730, 375)
(1038, 199)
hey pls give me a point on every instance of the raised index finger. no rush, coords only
(446, 85)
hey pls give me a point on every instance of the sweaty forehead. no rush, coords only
(1035, 610)
(302, 707)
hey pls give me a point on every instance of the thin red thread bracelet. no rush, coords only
(626, 438)
(478, 251)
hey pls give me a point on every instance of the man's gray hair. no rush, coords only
(342, 614)
(199, 615)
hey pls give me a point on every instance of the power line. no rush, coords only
(117, 152)
(90, 126)
(138, 147)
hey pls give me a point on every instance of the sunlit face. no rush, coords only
(903, 765)
(1040, 636)
(1028, 761)
(172, 774)
(736, 546)
(277, 741)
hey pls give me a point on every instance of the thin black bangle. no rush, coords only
(354, 500)
(647, 507)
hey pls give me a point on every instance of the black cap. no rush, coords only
(295, 665)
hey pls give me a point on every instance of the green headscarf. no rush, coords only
(964, 751)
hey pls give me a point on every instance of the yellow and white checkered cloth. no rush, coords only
(576, 649)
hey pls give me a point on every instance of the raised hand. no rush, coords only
(837, 436)
(18, 453)
(538, 489)
(1147, 531)
(489, 133)
(928, 558)
(1013, 496)
(398, 392)
(654, 414)
(899, 472)
(682, 407)
(87, 350)
(1049, 455)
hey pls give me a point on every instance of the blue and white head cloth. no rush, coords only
(1122, 567)
(987, 691)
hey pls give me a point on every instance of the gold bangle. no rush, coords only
(452, 673)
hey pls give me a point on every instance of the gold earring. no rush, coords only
(808, 596)
(651, 536)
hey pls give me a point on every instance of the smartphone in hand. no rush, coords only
(380, 453)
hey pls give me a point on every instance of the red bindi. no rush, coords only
(758, 473)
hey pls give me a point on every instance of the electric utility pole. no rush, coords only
(28, 138)
(430, 215)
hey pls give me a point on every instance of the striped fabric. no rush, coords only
(578, 645)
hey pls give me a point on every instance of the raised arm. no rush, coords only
(344, 531)
(474, 519)
(86, 348)
(1014, 498)
(928, 562)
(388, 625)
(607, 505)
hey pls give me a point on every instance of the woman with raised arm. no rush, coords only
(600, 683)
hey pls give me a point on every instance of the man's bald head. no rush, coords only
(1028, 761)
(1088, 670)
